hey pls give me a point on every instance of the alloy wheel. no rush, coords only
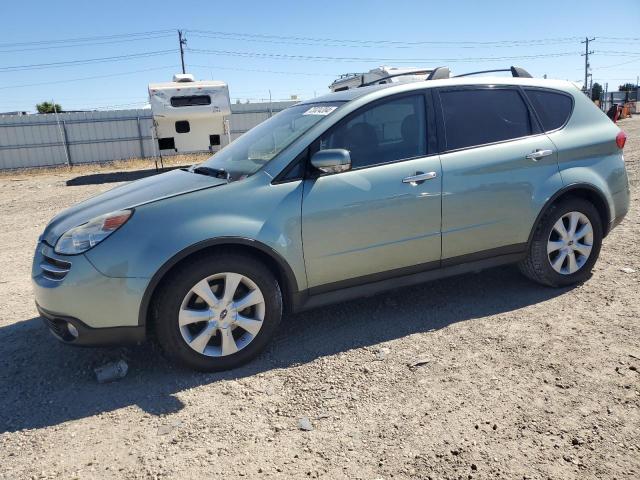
(570, 243)
(221, 314)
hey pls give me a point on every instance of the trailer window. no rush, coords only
(190, 101)
(182, 126)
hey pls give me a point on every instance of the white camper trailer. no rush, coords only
(190, 116)
(380, 75)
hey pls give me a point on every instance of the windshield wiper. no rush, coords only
(211, 172)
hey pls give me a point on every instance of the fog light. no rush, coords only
(72, 330)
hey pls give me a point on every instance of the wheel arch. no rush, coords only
(586, 191)
(264, 253)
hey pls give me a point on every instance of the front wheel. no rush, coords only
(218, 312)
(565, 244)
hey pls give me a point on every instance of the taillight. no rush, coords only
(621, 139)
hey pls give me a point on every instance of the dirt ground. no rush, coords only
(515, 380)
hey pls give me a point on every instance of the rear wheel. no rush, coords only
(565, 244)
(218, 312)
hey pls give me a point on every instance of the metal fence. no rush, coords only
(245, 116)
(94, 137)
(75, 137)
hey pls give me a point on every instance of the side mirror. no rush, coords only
(332, 160)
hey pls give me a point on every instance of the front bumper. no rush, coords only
(87, 336)
(69, 289)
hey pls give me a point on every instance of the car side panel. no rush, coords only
(369, 221)
(587, 153)
(492, 194)
(252, 209)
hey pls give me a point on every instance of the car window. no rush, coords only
(552, 108)
(385, 132)
(478, 117)
(254, 149)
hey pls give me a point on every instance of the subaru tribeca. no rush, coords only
(338, 197)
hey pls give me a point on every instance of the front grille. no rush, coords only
(54, 269)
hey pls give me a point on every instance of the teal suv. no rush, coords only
(338, 197)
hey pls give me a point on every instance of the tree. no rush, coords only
(627, 87)
(596, 91)
(48, 107)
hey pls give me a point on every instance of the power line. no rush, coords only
(619, 64)
(37, 66)
(354, 44)
(620, 38)
(84, 39)
(309, 74)
(108, 42)
(617, 53)
(543, 41)
(80, 79)
(372, 59)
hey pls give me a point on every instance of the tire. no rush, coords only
(539, 263)
(177, 302)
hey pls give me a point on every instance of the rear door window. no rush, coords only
(480, 116)
(553, 108)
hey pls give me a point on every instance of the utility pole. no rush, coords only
(586, 54)
(182, 41)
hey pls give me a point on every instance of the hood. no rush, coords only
(129, 195)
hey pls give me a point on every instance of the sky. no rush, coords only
(295, 47)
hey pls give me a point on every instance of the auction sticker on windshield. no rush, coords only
(319, 110)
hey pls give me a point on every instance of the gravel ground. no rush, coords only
(513, 380)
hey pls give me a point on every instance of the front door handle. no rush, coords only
(419, 178)
(538, 154)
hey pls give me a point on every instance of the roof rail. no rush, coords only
(412, 72)
(437, 73)
(515, 72)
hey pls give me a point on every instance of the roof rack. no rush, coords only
(437, 73)
(440, 73)
(515, 71)
(428, 71)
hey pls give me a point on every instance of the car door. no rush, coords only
(372, 221)
(495, 161)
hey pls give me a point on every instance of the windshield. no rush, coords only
(250, 152)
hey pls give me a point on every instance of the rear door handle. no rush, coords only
(419, 177)
(538, 154)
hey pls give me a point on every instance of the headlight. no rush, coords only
(83, 237)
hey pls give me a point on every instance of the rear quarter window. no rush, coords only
(553, 108)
